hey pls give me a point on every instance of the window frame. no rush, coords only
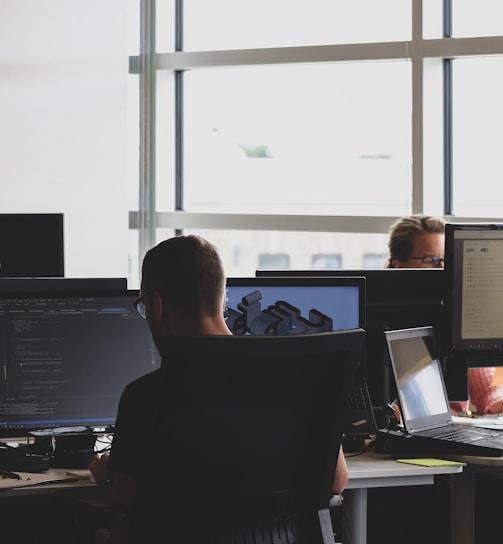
(147, 219)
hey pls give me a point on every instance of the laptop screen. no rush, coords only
(418, 378)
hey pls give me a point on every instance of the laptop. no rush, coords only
(427, 421)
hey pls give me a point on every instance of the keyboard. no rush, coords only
(467, 435)
(360, 418)
(357, 399)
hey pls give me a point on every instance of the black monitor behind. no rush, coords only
(57, 285)
(396, 299)
(31, 245)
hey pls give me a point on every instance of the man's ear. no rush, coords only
(156, 308)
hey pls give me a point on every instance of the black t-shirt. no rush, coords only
(137, 422)
(164, 440)
(186, 435)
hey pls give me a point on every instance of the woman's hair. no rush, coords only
(402, 233)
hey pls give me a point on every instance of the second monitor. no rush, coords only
(395, 298)
(279, 306)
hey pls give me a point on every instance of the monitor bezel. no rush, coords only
(381, 284)
(6, 431)
(283, 281)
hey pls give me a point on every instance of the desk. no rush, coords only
(371, 470)
(50, 488)
(463, 494)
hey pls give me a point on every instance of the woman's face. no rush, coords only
(427, 252)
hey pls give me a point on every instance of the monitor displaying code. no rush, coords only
(66, 359)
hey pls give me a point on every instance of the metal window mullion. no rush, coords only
(247, 221)
(183, 60)
(179, 121)
(463, 47)
(430, 48)
(300, 223)
(147, 76)
(417, 107)
(178, 140)
(448, 121)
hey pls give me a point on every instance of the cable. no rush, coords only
(365, 448)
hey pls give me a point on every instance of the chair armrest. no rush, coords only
(336, 500)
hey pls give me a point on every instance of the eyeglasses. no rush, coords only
(139, 306)
(432, 261)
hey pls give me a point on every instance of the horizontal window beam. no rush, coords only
(284, 55)
(442, 48)
(300, 223)
(462, 47)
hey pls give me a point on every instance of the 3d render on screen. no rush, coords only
(279, 318)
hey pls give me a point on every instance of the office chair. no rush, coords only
(248, 434)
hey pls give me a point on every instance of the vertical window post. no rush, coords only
(179, 113)
(147, 204)
(448, 132)
(417, 107)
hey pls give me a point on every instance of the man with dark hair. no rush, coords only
(182, 294)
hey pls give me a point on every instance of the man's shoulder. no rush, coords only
(144, 385)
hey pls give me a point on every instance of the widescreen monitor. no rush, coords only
(66, 358)
(285, 306)
(31, 245)
(53, 285)
(396, 298)
(474, 265)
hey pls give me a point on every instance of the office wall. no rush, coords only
(63, 131)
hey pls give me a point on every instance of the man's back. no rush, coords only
(241, 432)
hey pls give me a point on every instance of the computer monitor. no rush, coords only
(31, 245)
(396, 298)
(474, 266)
(286, 306)
(65, 285)
(66, 358)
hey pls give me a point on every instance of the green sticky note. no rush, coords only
(431, 462)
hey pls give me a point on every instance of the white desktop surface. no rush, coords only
(368, 470)
(372, 470)
(373, 466)
(489, 421)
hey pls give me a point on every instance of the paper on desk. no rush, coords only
(29, 478)
(80, 474)
(485, 422)
(431, 462)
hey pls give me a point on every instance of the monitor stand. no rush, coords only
(456, 377)
(68, 449)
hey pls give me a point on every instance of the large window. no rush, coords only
(231, 24)
(299, 139)
(288, 132)
(300, 133)
(243, 251)
(477, 125)
(66, 138)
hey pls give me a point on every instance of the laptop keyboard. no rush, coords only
(457, 433)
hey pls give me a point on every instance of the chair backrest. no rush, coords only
(249, 428)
